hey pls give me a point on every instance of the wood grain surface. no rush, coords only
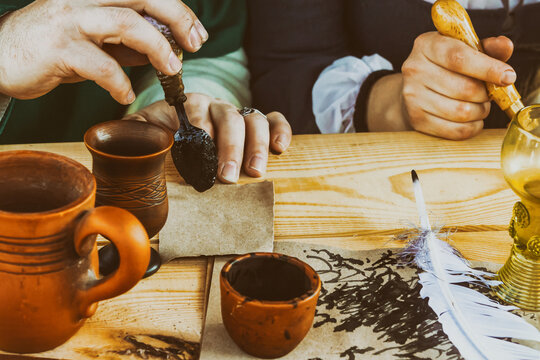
(348, 190)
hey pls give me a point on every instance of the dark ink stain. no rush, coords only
(350, 352)
(287, 335)
(374, 294)
(174, 349)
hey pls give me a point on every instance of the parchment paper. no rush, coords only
(369, 308)
(227, 219)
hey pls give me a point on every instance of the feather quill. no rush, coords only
(477, 325)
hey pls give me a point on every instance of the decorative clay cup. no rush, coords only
(129, 167)
(268, 302)
(48, 255)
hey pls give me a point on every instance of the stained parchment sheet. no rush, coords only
(226, 219)
(369, 308)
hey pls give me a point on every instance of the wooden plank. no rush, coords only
(169, 304)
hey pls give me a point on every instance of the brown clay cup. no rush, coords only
(268, 302)
(128, 162)
(48, 255)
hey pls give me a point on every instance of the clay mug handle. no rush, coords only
(130, 238)
(451, 19)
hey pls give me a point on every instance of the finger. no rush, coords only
(135, 117)
(198, 111)
(230, 136)
(125, 26)
(124, 55)
(458, 57)
(188, 31)
(159, 113)
(433, 125)
(442, 81)
(499, 47)
(280, 132)
(257, 142)
(448, 108)
(90, 62)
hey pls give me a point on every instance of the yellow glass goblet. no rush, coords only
(520, 160)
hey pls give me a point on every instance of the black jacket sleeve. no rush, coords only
(288, 44)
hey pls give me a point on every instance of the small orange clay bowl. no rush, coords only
(268, 302)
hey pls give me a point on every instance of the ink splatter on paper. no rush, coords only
(377, 293)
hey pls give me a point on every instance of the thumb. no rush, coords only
(159, 113)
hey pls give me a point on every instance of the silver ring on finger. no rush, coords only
(245, 111)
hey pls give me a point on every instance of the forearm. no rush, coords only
(225, 77)
(385, 108)
(341, 92)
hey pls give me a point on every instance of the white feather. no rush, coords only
(476, 324)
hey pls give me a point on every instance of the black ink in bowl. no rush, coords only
(268, 279)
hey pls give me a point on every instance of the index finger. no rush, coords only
(188, 31)
(458, 57)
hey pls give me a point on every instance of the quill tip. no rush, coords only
(414, 176)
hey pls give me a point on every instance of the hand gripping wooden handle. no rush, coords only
(451, 19)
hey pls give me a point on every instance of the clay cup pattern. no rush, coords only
(129, 166)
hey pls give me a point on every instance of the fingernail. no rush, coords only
(174, 63)
(130, 97)
(201, 30)
(258, 163)
(229, 172)
(509, 77)
(282, 141)
(195, 38)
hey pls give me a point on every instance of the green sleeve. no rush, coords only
(225, 21)
(224, 77)
(5, 109)
(12, 5)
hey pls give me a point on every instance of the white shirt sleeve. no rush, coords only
(335, 91)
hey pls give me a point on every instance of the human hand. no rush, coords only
(443, 90)
(240, 141)
(56, 41)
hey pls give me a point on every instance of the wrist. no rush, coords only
(362, 100)
(385, 106)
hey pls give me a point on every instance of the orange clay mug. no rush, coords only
(48, 255)
(268, 302)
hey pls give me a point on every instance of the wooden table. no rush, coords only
(353, 191)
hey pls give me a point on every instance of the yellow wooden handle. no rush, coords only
(451, 19)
